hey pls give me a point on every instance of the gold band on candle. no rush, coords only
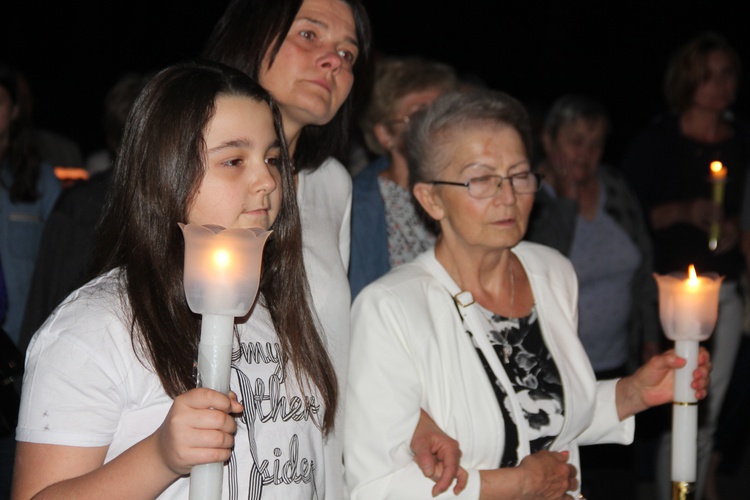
(678, 403)
(683, 490)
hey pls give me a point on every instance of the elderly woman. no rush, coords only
(386, 230)
(481, 332)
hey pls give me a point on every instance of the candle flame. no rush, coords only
(222, 259)
(692, 277)
(716, 166)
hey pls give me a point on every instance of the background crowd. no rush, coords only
(579, 80)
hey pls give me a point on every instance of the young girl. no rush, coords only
(109, 409)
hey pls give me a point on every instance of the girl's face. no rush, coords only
(241, 187)
(311, 75)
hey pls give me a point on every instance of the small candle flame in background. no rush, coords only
(717, 169)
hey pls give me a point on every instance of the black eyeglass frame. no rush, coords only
(502, 179)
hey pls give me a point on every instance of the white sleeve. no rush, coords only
(71, 395)
(384, 394)
(606, 426)
(345, 232)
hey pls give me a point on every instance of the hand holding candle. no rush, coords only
(688, 309)
(222, 276)
(718, 179)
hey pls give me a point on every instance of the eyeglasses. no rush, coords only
(404, 120)
(488, 186)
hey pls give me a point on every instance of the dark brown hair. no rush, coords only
(157, 174)
(689, 68)
(250, 29)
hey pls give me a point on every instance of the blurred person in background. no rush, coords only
(65, 250)
(386, 229)
(587, 211)
(28, 191)
(668, 165)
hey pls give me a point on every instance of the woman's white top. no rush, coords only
(410, 351)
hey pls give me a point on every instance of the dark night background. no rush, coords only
(72, 52)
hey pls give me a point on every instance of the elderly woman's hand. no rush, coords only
(544, 475)
(438, 456)
(548, 475)
(653, 383)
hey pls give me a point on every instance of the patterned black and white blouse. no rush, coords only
(533, 373)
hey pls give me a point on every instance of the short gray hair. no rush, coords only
(570, 108)
(455, 111)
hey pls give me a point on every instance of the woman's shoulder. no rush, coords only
(409, 282)
(330, 171)
(328, 185)
(540, 259)
(368, 176)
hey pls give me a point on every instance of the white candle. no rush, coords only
(688, 309)
(222, 275)
(718, 179)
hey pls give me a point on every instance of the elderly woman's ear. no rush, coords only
(432, 204)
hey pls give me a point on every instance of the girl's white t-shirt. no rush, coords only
(84, 386)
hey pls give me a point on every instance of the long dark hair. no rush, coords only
(157, 174)
(21, 155)
(250, 29)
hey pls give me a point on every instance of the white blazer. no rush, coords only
(410, 350)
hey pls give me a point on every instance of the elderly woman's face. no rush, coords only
(491, 223)
(717, 92)
(577, 148)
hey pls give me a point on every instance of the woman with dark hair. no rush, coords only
(109, 407)
(28, 191)
(309, 54)
(668, 165)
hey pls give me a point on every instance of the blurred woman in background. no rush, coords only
(386, 230)
(668, 166)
